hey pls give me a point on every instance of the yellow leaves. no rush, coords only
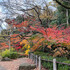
(26, 46)
(24, 42)
(27, 51)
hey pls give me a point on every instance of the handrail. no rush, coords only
(51, 60)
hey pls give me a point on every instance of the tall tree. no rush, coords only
(63, 11)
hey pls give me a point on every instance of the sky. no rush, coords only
(3, 10)
(0, 9)
(3, 15)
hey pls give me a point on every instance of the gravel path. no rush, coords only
(14, 64)
(2, 68)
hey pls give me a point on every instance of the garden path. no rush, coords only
(14, 64)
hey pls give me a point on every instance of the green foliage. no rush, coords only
(64, 67)
(15, 32)
(64, 3)
(13, 55)
(66, 61)
(53, 22)
(34, 32)
(49, 65)
(33, 37)
(40, 53)
(19, 19)
(9, 53)
(61, 15)
(5, 32)
(6, 53)
(44, 23)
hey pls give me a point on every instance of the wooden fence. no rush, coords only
(37, 60)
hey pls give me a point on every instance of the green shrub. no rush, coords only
(5, 53)
(49, 65)
(13, 55)
(63, 67)
(10, 54)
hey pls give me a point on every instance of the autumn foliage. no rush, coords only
(56, 39)
(54, 34)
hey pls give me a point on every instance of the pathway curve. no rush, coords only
(14, 64)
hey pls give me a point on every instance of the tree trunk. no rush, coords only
(67, 16)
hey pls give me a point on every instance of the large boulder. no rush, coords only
(26, 66)
(6, 59)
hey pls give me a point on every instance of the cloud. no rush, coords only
(2, 16)
(4, 25)
(0, 9)
(52, 8)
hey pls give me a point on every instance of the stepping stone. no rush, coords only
(2, 68)
(26, 66)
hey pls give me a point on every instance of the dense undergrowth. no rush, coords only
(49, 65)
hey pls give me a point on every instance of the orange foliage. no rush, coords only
(4, 45)
(23, 24)
(37, 43)
(14, 35)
